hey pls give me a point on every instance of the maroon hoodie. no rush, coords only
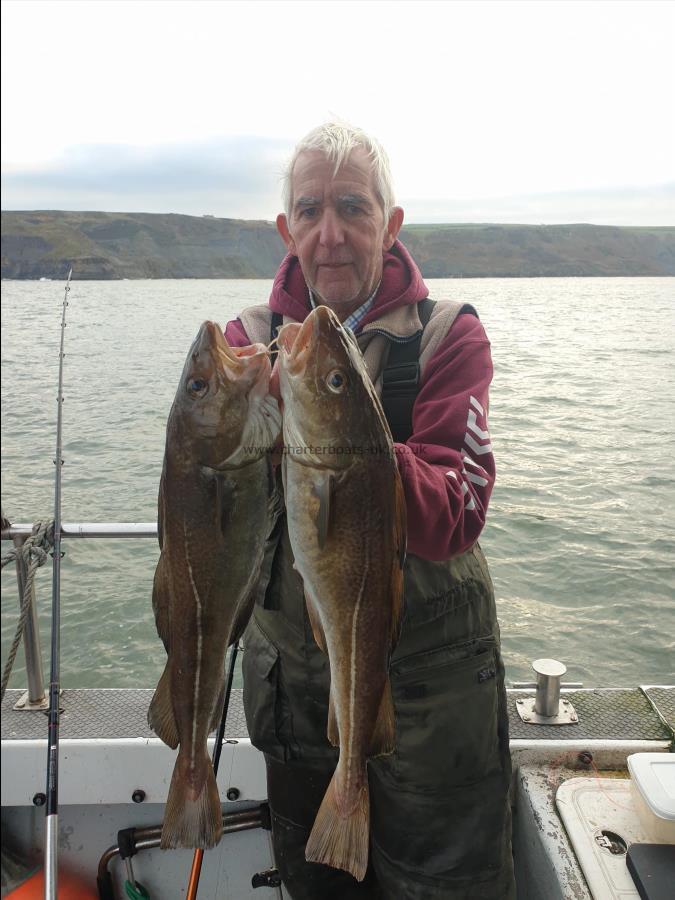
(447, 465)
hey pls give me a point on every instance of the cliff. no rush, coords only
(99, 245)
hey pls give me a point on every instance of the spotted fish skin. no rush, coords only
(216, 508)
(346, 521)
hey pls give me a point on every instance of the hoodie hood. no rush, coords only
(401, 284)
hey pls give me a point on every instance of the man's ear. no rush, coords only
(393, 227)
(282, 228)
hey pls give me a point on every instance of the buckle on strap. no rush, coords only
(403, 377)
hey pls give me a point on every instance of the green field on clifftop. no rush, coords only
(100, 245)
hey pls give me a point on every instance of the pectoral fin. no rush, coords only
(225, 496)
(323, 488)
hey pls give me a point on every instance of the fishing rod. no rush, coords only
(51, 807)
(198, 857)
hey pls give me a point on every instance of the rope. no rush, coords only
(34, 551)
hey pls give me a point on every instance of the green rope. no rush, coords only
(34, 551)
(136, 892)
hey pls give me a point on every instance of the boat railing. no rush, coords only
(35, 698)
(544, 707)
(89, 530)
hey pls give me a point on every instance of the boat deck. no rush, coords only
(109, 756)
(615, 714)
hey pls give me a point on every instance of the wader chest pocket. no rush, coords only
(446, 718)
(436, 590)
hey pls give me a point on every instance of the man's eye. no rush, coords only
(308, 212)
(352, 210)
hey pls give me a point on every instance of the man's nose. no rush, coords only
(332, 233)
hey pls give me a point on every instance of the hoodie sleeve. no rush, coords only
(235, 334)
(447, 466)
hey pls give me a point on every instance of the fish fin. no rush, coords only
(282, 466)
(160, 601)
(275, 499)
(226, 488)
(193, 816)
(217, 713)
(341, 841)
(323, 488)
(315, 622)
(400, 523)
(276, 506)
(396, 594)
(160, 506)
(161, 717)
(333, 730)
(397, 578)
(241, 617)
(383, 739)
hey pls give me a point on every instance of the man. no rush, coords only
(440, 818)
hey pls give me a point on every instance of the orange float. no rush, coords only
(71, 887)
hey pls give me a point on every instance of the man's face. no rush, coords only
(337, 229)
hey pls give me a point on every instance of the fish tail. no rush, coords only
(161, 717)
(341, 840)
(193, 815)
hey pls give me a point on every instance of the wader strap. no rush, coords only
(401, 375)
(400, 378)
(275, 325)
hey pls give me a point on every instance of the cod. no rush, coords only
(346, 521)
(215, 510)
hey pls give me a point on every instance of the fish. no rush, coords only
(347, 527)
(217, 503)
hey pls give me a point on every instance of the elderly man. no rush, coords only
(440, 817)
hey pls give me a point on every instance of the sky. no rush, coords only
(533, 112)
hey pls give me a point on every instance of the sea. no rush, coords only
(580, 535)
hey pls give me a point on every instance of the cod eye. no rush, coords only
(197, 387)
(336, 381)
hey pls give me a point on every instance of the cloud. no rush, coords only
(240, 177)
(226, 176)
(654, 205)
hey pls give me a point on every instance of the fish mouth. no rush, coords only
(298, 343)
(234, 361)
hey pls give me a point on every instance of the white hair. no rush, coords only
(336, 140)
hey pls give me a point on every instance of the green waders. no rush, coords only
(440, 816)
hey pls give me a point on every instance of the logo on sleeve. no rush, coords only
(477, 439)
